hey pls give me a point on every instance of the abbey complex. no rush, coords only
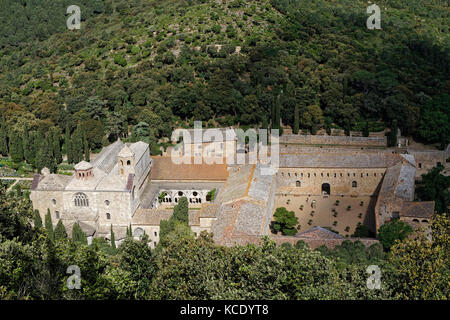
(330, 182)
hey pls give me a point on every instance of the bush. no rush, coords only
(392, 231)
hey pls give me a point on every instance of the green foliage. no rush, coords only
(60, 231)
(211, 195)
(435, 187)
(317, 58)
(421, 266)
(49, 225)
(33, 267)
(37, 219)
(137, 259)
(113, 239)
(435, 122)
(392, 231)
(362, 231)
(285, 222)
(181, 210)
(161, 196)
(78, 236)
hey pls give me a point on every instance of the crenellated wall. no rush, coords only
(334, 140)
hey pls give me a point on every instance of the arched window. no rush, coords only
(57, 214)
(81, 200)
(128, 162)
(354, 184)
(138, 232)
(54, 202)
(108, 216)
(298, 184)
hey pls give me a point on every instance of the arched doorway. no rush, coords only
(326, 189)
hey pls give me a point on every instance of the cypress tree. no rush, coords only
(129, 232)
(277, 124)
(37, 219)
(296, 120)
(366, 131)
(15, 147)
(264, 125)
(77, 145)
(49, 225)
(78, 236)
(86, 149)
(68, 145)
(75, 233)
(113, 239)
(27, 147)
(60, 231)
(3, 138)
(392, 137)
(44, 156)
(56, 145)
(181, 210)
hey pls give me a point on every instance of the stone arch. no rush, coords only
(81, 200)
(326, 189)
(138, 232)
(298, 183)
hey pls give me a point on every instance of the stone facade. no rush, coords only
(100, 194)
(122, 187)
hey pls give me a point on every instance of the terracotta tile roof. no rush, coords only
(151, 216)
(318, 233)
(35, 182)
(165, 169)
(130, 182)
(417, 209)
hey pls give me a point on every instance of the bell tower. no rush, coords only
(125, 160)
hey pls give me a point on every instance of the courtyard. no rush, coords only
(341, 213)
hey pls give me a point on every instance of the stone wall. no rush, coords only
(427, 160)
(309, 181)
(299, 148)
(334, 140)
(315, 243)
(43, 200)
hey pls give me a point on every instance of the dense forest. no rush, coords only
(137, 69)
(35, 259)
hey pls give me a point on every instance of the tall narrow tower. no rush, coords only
(125, 160)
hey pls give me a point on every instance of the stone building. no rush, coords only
(99, 194)
(125, 186)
